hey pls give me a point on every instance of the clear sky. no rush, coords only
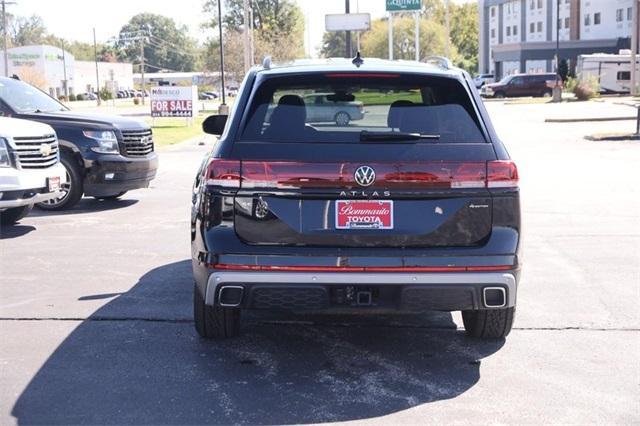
(74, 19)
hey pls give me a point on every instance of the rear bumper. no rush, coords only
(411, 292)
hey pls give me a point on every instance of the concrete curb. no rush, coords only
(588, 119)
(613, 138)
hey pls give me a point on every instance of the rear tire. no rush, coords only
(13, 215)
(547, 94)
(489, 323)
(499, 95)
(111, 197)
(214, 322)
(72, 188)
(342, 118)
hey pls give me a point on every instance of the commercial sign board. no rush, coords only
(403, 5)
(347, 22)
(173, 101)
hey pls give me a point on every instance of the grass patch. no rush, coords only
(377, 98)
(169, 131)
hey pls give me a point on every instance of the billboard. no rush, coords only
(347, 22)
(173, 101)
(403, 5)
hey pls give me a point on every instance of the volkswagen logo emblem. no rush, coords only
(364, 176)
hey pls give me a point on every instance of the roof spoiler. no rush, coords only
(440, 61)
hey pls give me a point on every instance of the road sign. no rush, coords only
(347, 22)
(173, 101)
(403, 5)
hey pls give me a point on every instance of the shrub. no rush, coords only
(72, 98)
(570, 84)
(62, 98)
(136, 101)
(80, 97)
(587, 88)
(105, 94)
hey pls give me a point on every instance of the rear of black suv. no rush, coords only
(413, 208)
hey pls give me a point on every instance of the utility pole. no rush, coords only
(390, 35)
(64, 72)
(634, 47)
(347, 34)
(95, 56)
(247, 38)
(223, 109)
(447, 27)
(142, 66)
(557, 90)
(5, 35)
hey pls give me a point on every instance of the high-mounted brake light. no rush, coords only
(361, 75)
(223, 173)
(502, 174)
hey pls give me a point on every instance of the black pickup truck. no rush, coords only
(104, 155)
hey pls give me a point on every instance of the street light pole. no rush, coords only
(5, 35)
(347, 33)
(634, 47)
(95, 56)
(557, 90)
(223, 107)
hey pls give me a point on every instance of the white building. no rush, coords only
(48, 67)
(520, 35)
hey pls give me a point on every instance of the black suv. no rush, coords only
(413, 208)
(104, 155)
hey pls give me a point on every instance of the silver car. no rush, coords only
(320, 109)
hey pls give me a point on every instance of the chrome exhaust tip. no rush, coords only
(494, 297)
(230, 296)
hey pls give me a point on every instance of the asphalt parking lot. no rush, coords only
(96, 328)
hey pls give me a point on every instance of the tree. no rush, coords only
(167, 46)
(464, 34)
(333, 44)
(374, 42)
(563, 69)
(24, 31)
(278, 32)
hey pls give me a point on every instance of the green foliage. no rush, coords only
(333, 44)
(168, 46)
(464, 34)
(374, 43)
(79, 97)
(72, 98)
(587, 88)
(105, 94)
(563, 69)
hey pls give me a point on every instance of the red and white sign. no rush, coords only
(364, 214)
(173, 101)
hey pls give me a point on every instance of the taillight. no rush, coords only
(502, 174)
(223, 173)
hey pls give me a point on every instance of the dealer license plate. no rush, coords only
(53, 183)
(364, 214)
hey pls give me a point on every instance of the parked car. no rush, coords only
(104, 155)
(482, 79)
(205, 96)
(213, 95)
(30, 169)
(415, 210)
(89, 96)
(521, 85)
(327, 107)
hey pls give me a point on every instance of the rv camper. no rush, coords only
(613, 72)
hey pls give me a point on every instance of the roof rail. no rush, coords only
(441, 61)
(266, 62)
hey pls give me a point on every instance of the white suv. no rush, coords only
(30, 169)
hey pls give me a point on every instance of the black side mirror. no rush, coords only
(214, 124)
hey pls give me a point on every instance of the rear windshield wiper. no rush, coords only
(366, 136)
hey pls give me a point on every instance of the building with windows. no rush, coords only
(51, 69)
(520, 35)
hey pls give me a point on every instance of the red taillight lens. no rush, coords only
(223, 173)
(502, 174)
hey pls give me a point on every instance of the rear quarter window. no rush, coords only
(339, 107)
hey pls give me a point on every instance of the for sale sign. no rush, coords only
(173, 101)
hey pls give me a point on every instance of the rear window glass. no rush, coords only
(362, 107)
